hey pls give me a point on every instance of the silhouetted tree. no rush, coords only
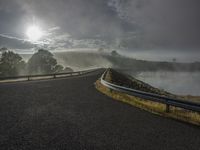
(3, 49)
(11, 64)
(114, 53)
(43, 62)
(58, 68)
(174, 59)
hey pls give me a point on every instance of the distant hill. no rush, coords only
(95, 59)
(80, 60)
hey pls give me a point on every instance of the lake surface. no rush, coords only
(181, 83)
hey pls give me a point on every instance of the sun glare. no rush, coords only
(34, 33)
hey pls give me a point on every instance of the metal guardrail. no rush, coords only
(53, 75)
(153, 97)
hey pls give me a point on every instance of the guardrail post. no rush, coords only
(28, 78)
(167, 108)
(54, 76)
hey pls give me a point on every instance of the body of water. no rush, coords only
(181, 83)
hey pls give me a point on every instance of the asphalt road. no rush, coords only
(71, 114)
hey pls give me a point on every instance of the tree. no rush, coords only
(114, 53)
(174, 59)
(58, 68)
(3, 49)
(43, 62)
(11, 64)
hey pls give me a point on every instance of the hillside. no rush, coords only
(94, 59)
(80, 60)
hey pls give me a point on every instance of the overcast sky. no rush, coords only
(131, 25)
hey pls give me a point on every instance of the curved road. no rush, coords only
(71, 114)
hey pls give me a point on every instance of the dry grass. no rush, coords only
(195, 99)
(153, 107)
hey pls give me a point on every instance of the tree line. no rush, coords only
(41, 62)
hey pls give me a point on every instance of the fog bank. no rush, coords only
(181, 83)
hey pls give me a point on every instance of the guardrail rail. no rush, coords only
(53, 75)
(153, 97)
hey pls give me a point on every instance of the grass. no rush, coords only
(150, 106)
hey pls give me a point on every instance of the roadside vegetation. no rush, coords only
(153, 107)
(41, 62)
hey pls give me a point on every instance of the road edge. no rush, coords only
(148, 106)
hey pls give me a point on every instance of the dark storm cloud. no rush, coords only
(118, 23)
(163, 23)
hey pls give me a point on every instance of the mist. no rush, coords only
(180, 83)
(165, 55)
(148, 35)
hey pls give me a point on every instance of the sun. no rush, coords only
(34, 33)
